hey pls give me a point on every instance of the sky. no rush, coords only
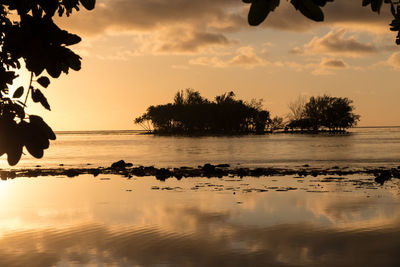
(138, 53)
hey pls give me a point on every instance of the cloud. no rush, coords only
(207, 23)
(175, 26)
(244, 57)
(336, 43)
(349, 14)
(327, 65)
(191, 41)
(333, 63)
(138, 15)
(394, 60)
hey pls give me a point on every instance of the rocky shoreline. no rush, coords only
(208, 170)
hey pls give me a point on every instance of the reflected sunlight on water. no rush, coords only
(283, 221)
(363, 147)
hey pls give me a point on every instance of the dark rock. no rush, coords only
(185, 168)
(383, 176)
(257, 172)
(95, 172)
(118, 165)
(306, 165)
(121, 165)
(302, 173)
(138, 171)
(12, 175)
(395, 173)
(223, 165)
(242, 172)
(71, 173)
(208, 168)
(162, 174)
(178, 176)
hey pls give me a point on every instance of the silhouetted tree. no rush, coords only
(30, 39)
(191, 113)
(276, 123)
(332, 113)
(296, 108)
(311, 9)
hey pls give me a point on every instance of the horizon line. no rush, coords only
(125, 130)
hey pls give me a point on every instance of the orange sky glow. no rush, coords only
(139, 53)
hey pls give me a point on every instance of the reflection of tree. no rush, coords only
(191, 113)
(311, 9)
(30, 39)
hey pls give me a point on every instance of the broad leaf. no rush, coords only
(260, 9)
(19, 92)
(37, 96)
(44, 81)
(309, 9)
(88, 4)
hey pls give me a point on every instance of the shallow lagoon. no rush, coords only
(268, 221)
(363, 147)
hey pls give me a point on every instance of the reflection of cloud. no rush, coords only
(336, 43)
(279, 245)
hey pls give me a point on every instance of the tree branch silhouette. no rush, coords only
(312, 9)
(30, 40)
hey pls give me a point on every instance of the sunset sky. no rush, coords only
(139, 53)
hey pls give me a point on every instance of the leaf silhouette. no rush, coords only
(19, 92)
(260, 9)
(44, 81)
(37, 96)
(88, 4)
(309, 9)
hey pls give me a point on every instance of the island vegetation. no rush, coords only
(334, 114)
(192, 114)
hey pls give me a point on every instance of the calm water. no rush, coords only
(267, 221)
(113, 221)
(362, 147)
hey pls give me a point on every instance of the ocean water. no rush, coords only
(111, 220)
(283, 221)
(371, 147)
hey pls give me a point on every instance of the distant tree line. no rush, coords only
(190, 113)
(322, 112)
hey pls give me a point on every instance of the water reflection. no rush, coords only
(98, 222)
(363, 147)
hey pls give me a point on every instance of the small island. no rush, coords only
(192, 114)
